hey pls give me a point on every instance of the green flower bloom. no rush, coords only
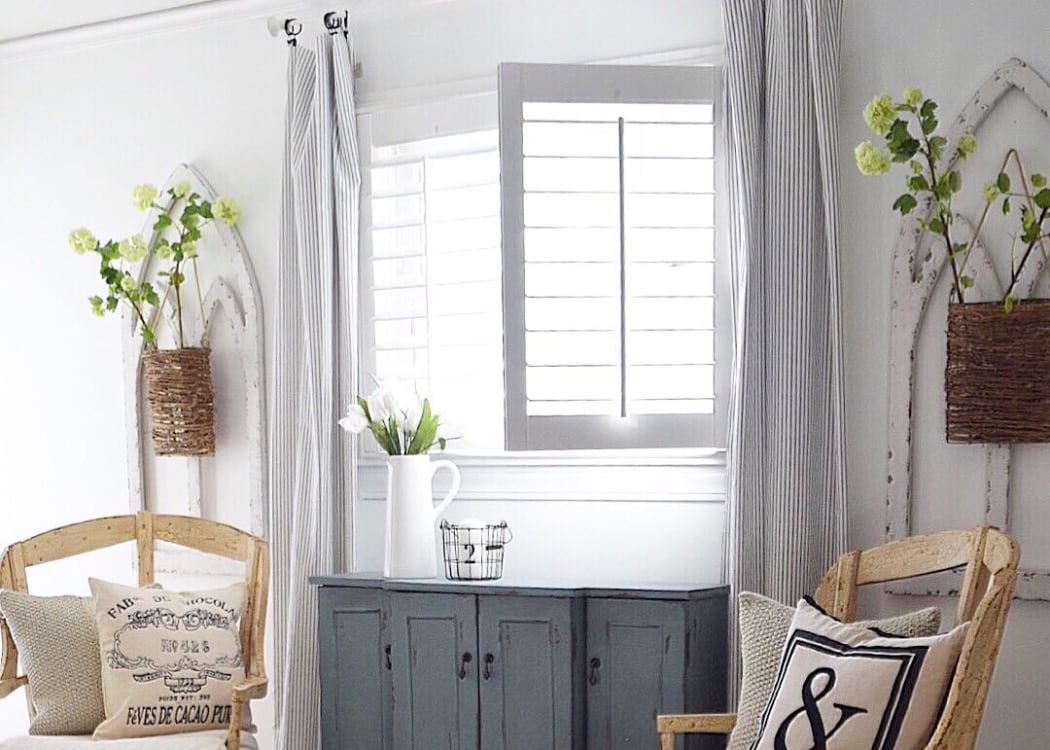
(128, 284)
(226, 208)
(990, 191)
(132, 250)
(96, 306)
(163, 251)
(871, 159)
(181, 189)
(144, 195)
(82, 240)
(189, 249)
(879, 114)
(967, 144)
(912, 97)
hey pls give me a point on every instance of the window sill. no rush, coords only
(609, 476)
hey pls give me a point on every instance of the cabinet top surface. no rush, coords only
(527, 587)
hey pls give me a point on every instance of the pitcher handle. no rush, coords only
(445, 464)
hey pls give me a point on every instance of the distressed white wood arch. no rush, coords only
(918, 262)
(232, 299)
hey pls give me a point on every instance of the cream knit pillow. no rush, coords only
(764, 626)
(169, 660)
(57, 644)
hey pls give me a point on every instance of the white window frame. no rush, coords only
(518, 83)
(664, 475)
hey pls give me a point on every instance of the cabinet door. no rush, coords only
(435, 671)
(526, 651)
(635, 669)
(355, 681)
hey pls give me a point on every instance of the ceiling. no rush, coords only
(21, 18)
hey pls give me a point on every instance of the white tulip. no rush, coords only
(355, 420)
(381, 405)
(408, 419)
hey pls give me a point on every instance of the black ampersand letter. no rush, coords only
(812, 711)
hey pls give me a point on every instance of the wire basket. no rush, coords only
(474, 553)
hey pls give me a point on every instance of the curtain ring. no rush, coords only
(292, 27)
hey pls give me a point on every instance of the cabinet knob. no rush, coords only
(489, 658)
(464, 661)
(596, 667)
(386, 650)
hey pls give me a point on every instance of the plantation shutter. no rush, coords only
(609, 256)
(432, 262)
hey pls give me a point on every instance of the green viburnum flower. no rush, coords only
(127, 283)
(967, 144)
(181, 189)
(96, 306)
(189, 249)
(133, 249)
(82, 240)
(226, 208)
(912, 96)
(163, 251)
(879, 114)
(144, 195)
(871, 159)
(990, 192)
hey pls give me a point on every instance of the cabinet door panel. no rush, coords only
(525, 645)
(435, 674)
(355, 683)
(635, 670)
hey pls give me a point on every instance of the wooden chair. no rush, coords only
(146, 528)
(990, 557)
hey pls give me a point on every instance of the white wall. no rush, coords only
(80, 126)
(947, 49)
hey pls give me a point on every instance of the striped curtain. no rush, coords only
(786, 449)
(312, 471)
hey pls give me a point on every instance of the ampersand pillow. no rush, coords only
(842, 687)
(169, 660)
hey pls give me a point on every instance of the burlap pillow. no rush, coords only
(169, 660)
(764, 626)
(57, 644)
(847, 687)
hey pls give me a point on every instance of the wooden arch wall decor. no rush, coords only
(917, 265)
(231, 315)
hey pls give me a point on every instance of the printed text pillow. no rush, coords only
(841, 687)
(169, 660)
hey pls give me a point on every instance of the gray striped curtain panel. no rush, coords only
(312, 470)
(786, 515)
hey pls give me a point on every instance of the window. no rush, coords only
(608, 187)
(573, 305)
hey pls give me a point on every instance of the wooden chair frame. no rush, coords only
(146, 528)
(990, 558)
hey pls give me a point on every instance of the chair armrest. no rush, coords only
(9, 686)
(250, 689)
(695, 723)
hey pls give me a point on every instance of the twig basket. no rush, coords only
(997, 380)
(181, 401)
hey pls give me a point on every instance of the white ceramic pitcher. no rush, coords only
(411, 551)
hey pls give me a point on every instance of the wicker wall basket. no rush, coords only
(997, 381)
(181, 401)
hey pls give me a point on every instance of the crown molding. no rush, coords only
(183, 18)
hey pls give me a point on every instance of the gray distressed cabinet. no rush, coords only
(512, 665)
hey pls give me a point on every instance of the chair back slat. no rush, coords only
(203, 535)
(975, 580)
(78, 538)
(144, 545)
